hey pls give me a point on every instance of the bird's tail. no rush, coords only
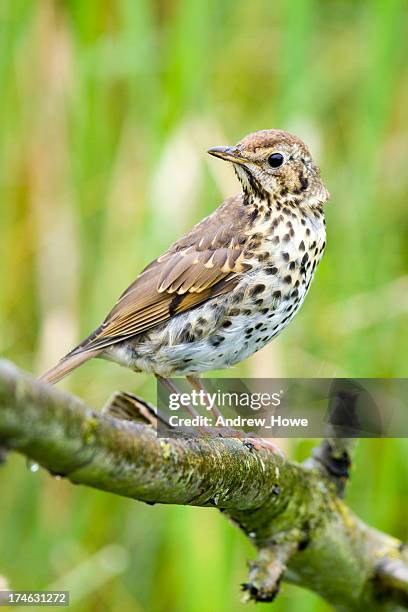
(67, 364)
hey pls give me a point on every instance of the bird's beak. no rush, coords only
(231, 154)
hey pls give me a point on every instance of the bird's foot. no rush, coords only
(251, 442)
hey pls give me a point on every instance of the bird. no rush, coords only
(233, 282)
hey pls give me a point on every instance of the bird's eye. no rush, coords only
(275, 160)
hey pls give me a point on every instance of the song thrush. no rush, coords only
(233, 282)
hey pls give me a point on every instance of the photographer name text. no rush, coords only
(268, 422)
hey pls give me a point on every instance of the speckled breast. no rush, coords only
(283, 252)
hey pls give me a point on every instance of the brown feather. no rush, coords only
(203, 264)
(187, 269)
(66, 365)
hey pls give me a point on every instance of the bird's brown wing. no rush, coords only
(205, 263)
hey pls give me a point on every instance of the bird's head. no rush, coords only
(275, 164)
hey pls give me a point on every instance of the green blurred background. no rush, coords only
(107, 108)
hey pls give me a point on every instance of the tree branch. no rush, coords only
(303, 532)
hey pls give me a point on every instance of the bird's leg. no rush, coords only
(250, 442)
(170, 386)
(197, 383)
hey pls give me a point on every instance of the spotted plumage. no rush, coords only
(231, 284)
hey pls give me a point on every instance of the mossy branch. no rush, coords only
(303, 532)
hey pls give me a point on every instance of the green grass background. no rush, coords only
(106, 111)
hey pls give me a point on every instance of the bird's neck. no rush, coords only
(260, 207)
